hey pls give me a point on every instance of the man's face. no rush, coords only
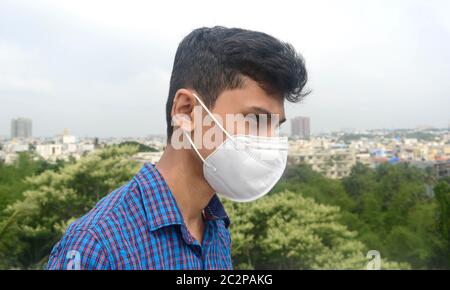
(248, 110)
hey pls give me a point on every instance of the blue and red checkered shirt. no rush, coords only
(139, 226)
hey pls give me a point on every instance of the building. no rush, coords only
(300, 127)
(67, 138)
(50, 152)
(331, 159)
(442, 168)
(21, 128)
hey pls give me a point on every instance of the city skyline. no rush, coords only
(105, 72)
(333, 155)
(284, 132)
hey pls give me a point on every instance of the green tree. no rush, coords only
(308, 221)
(54, 199)
(13, 176)
(442, 191)
(288, 231)
(141, 147)
(390, 208)
(396, 214)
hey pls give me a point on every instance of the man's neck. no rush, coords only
(184, 175)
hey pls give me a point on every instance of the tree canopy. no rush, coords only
(307, 221)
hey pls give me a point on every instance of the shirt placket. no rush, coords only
(193, 245)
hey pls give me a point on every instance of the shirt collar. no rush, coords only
(160, 205)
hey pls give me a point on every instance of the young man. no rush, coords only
(169, 216)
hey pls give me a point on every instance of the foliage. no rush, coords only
(288, 231)
(12, 176)
(140, 147)
(389, 207)
(54, 199)
(307, 221)
(442, 191)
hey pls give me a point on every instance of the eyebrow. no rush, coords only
(260, 110)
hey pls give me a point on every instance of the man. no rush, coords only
(169, 216)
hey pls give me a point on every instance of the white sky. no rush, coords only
(102, 68)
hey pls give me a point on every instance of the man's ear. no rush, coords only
(183, 110)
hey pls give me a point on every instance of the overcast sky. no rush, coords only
(102, 68)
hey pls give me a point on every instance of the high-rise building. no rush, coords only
(300, 127)
(21, 128)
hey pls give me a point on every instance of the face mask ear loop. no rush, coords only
(217, 122)
(196, 150)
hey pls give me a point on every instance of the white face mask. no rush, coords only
(244, 167)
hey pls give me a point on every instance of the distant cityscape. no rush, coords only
(332, 154)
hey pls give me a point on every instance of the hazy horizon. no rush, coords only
(102, 69)
(343, 130)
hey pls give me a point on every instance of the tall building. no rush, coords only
(21, 128)
(300, 127)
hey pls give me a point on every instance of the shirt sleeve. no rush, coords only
(79, 250)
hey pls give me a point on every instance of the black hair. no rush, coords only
(211, 60)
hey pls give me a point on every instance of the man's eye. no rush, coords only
(252, 117)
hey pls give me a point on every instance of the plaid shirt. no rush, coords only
(139, 226)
